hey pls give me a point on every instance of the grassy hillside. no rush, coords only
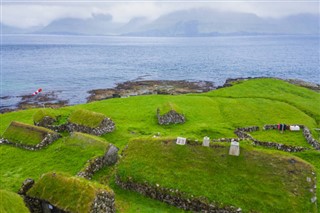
(215, 114)
(248, 181)
(11, 203)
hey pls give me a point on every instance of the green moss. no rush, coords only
(11, 203)
(257, 180)
(41, 113)
(25, 134)
(168, 106)
(66, 192)
(86, 118)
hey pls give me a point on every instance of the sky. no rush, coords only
(33, 13)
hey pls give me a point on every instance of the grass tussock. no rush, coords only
(68, 193)
(86, 118)
(26, 134)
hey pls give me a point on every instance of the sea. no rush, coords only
(71, 65)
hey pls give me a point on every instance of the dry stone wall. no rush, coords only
(172, 117)
(94, 165)
(308, 136)
(104, 202)
(242, 133)
(175, 198)
(107, 125)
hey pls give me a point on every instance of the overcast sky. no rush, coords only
(24, 13)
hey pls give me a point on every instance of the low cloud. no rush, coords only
(24, 15)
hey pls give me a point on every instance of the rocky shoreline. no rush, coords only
(135, 88)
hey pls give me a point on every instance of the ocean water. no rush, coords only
(72, 65)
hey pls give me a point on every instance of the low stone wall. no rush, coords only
(308, 136)
(49, 138)
(175, 198)
(104, 202)
(242, 134)
(94, 165)
(279, 146)
(172, 117)
(107, 125)
(45, 122)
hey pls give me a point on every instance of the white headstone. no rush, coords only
(181, 141)
(206, 141)
(234, 148)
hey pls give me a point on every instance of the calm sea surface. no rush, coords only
(72, 65)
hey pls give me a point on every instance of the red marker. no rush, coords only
(36, 92)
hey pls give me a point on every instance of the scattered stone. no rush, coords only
(181, 141)
(308, 179)
(234, 148)
(172, 117)
(313, 199)
(206, 141)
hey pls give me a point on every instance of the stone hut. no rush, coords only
(28, 136)
(60, 193)
(89, 122)
(169, 114)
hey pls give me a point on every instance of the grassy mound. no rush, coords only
(86, 118)
(248, 181)
(287, 137)
(11, 203)
(41, 113)
(26, 134)
(85, 141)
(66, 192)
(167, 107)
(302, 98)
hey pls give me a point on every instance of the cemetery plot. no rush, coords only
(247, 181)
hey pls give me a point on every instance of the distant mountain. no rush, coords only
(5, 29)
(205, 22)
(96, 25)
(195, 22)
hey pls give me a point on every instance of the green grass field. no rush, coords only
(215, 114)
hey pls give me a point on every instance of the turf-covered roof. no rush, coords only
(168, 106)
(11, 203)
(25, 133)
(69, 193)
(41, 113)
(86, 118)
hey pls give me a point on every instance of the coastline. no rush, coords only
(137, 88)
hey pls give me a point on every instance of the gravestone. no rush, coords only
(206, 141)
(181, 141)
(234, 148)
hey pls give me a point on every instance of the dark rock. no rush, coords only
(172, 117)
